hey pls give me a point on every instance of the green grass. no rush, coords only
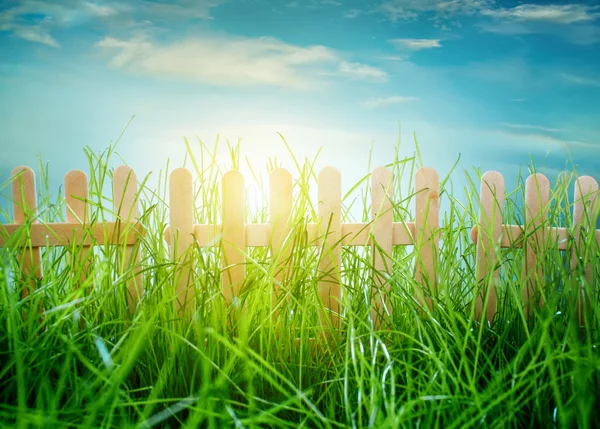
(438, 369)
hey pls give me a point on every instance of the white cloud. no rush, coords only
(222, 60)
(560, 14)
(362, 71)
(532, 127)
(416, 44)
(410, 9)
(386, 101)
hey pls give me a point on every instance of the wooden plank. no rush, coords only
(233, 234)
(181, 231)
(382, 233)
(65, 234)
(490, 220)
(259, 234)
(330, 222)
(125, 200)
(537, 195)
(513, 236)
(280, 185)
(77, 212)
(426, 226)
(584, 220)
(24, 210)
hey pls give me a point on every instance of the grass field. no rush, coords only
(86, 364)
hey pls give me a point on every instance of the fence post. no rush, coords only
(24, 209)
(330, 221)
(584, 216)
(233, 236)
(77, 211)
(181, 219)
(537, 195)
(427, 208)
(489, 232)
(126, 209)
(280, 181)
(382, 245)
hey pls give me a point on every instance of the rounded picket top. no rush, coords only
(586, 184)
(492, 176)
(24, 170)
(76, 192)
(541, 180)
(181, 175)
(233, 178)
(124, 172)
(280, 175)
(328, 174)
(125, 193)
(427, 178)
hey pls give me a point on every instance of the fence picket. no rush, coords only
(24, 210)
(382, 246)
(584, 217)
(126, 209)
(77, 211)
(280, 185)
(181, 212)
(330, 217)
(427, 238)
(537, 195)
(233, 237)
(490, 222)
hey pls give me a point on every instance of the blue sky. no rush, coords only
(492, 81)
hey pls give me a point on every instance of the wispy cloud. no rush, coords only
(532, 127)
(37, 20)
(561, 14)
(362, 71)
(232, 61)
(34, 20)
(580, 80)
(416, 44)
(386, 101)
(351, 13)
(410, 9)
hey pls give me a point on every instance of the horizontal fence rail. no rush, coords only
(329, 234)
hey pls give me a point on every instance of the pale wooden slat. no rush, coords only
(584, 212)
(233, 236)
(426, 226)
(65, 234)
(490, 218)
(24, 209)
(330, 216)
(77, 212)
(383, 233)
(537, 195)
(280, 185)
(125, 189)
(258, 234)
(181, 231)
(513, 236)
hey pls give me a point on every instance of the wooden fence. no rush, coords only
(234, 235)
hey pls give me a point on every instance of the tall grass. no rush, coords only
(431, 368)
